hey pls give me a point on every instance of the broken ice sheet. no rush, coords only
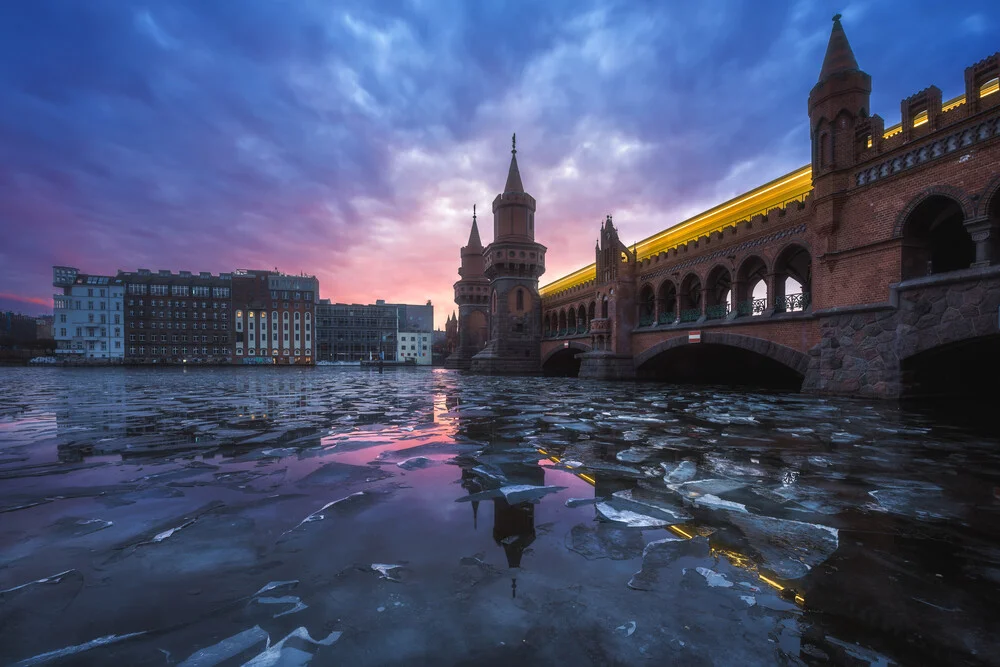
(414, 463)
(787, 548)
(713, 578)
(296, 603)
(227, 648)
(626, 629)
(679, 473)
(72, 650)
(51, 579)
(520, 493)
(604, 540)
(628, 517)
(280, 655)
(388, 571)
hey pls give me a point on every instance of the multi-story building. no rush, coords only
(355, 332)
(18, 327)
(416, 346)
(43, 327)
(88, 315)
(415, 318)
(274, 317)
(177, 317)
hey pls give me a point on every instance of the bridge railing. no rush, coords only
(751, 307)
(717, 312)
(791, 303)
(690, 314)
(646, 319)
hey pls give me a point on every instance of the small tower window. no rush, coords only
(868, 141)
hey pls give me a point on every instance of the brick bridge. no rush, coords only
(873, 271)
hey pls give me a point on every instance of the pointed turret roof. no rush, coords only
(513, 175)
(839, 56)
(474, 242)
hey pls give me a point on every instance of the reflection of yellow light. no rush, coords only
(800, 599)
(680, 531)
(588, 478)
(771, 582)
(543, 452)
(869, 142)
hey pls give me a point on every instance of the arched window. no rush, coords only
(520, 300)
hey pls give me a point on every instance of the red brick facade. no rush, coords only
(887, 208)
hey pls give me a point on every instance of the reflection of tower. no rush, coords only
(472, 296)
(513, 263)
(514, 525)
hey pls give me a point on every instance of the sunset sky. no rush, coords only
(350, 139)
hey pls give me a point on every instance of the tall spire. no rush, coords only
(839, 56)
(474, 242)
(513, 175)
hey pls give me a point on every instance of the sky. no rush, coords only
(350, 139)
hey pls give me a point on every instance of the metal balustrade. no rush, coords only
(791, 303)
(690, 315)
(751, 307)
(716, 312)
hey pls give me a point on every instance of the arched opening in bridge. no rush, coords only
(562, 363)
(950, 382)
(591, 312)
(935, 239)
(547, 326)
(690, 297)
(582, 325)
(752, 281)
(571, 321)
(667, 302)
(723, 365)
(792, 279)
(647, 306)
(604, 307)
(720, 293)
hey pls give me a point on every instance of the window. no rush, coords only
(62, 318)
(62, 332)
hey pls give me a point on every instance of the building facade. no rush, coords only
(274, 316)
(874, 270)
(177, 317)
(415, 346)
(355, 332)
(88, 315)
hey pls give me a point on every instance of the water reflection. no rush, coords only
(785, 526)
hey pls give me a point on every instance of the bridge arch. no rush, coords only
(690, 298)
(935, 239)
(582, 324)
(718, 292)
(666, 301)
(647, 305)
(793, 262)
(989, 201)
(786, 356)
(752, 292)
(954, 369)
(562, 361)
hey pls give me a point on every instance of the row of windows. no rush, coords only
(91, 331)
(179, 315)
(178, 290)
(274, 315)
(175, 338)
(175, 351)
(274, 352)
(178, 304)
(180, 325)
(282, 294)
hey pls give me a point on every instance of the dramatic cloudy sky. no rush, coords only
(350, 139)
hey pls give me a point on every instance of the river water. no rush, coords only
(277, 516)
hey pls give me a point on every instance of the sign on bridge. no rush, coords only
(694, 336)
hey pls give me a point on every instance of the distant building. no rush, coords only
(415, 345)
(43, 327)
(355, 332)
(177, 317)
(17, 328)
(88, 317)
(274, 317)
(414, 318)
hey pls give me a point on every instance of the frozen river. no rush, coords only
(281, 516)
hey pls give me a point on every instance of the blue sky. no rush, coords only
(351, 139)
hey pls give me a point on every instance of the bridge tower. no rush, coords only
(840, 129)
(513, 263)
(472, 297)
(610, 357)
